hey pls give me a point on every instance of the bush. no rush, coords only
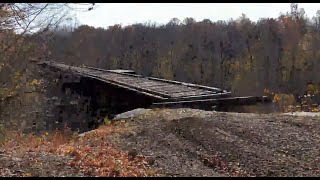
(106, 121)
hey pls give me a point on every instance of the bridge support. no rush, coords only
(94, 100)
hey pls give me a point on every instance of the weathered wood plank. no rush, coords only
(164, 80)
(187, 84)
(125, 87)
(220, 101)
(158, 87)
(220, 95)
(175, 92)
(137, 88)
(190, 93)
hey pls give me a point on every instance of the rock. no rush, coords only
(83, 134)
(312, 114)
(131, 114)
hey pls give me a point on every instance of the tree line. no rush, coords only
(279, 54)
(246, 57)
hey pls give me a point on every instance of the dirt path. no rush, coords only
(185, 142)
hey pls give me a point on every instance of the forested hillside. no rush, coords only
(246, 57)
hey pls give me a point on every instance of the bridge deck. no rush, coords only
(160, 89)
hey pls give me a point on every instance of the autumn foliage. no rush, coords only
(246, 57)
(92, 154)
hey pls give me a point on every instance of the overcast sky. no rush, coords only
(108, 14)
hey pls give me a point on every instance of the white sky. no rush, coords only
(108, 14)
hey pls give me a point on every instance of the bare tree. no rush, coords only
(31, 17)
(28, 18)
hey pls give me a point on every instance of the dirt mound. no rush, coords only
(179, 142)
(186, 142)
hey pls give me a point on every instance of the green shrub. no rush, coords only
(106, 121)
